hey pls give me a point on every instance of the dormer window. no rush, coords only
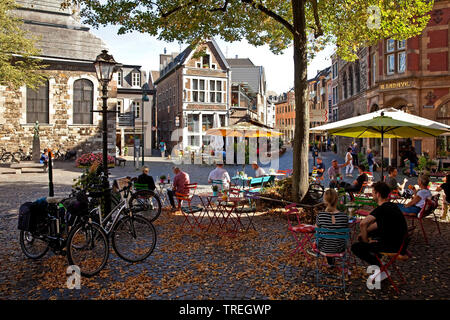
(136, 79)
(206, 61)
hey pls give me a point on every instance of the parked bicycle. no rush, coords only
(316, 188)
(141, 200)
(8, 157)
(133, 237)
(21, 155)
(50, 223)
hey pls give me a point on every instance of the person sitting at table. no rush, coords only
(391, 180)
(383, 230)
(219, 173)
(331, 219)
(418, 201)
(357, 185)
(334, 171)
(180, 181)
(259, 172)
(446, 187)
(144, 178)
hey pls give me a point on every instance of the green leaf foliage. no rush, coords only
(17, 48)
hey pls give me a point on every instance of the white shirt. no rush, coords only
(259, 172)
(423, 194)
(348, 157)
(220, 174)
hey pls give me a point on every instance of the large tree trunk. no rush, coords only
(301, 135)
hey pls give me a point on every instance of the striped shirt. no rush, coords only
(324, 220)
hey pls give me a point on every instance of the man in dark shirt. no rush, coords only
(384, 230)
(357, 185)
(144, 178)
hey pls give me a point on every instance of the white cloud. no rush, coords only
(142, 49)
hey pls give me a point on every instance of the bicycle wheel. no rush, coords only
(33, 247)
(316, 191)
(18, 156)
(133, 238)
(146, 203)
(8, 157)
(88, 248)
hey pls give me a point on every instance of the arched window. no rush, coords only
(83, 101)
(344, 82)
(357, 76)
(37, 104)
(350, 80)
(443, 142)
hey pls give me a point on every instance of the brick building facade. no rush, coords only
(414, 76)
(193, 94)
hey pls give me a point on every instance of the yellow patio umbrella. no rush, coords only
(385, 123)
(244, 130)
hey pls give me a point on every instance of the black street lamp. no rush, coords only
(105, 66)
(144, 99)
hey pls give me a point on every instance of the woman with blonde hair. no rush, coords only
(331, 219)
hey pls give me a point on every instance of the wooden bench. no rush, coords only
(119, 161)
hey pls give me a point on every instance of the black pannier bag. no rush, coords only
(78, 205)
(31, 214)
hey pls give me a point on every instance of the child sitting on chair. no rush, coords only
(331, 219)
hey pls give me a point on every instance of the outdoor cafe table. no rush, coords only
(206, 198)
(162, 194)
(245, 180)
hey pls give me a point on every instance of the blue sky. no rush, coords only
(144, 50)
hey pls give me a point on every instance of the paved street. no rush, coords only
(200, 265)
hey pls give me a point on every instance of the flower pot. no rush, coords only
(215, 193)
(161, 180)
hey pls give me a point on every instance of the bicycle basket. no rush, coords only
(31, 214)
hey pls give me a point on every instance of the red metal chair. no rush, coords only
(428, 209)
(302, 233)
(392, 257)
(189, 210)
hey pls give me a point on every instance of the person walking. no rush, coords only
(162, 147)
(349, 160)
(370, 161)
(412, 157)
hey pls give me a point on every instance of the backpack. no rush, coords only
(77, 205)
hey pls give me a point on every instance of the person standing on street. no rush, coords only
(412, 157)
(349, 160)
(162, 147)
(355, 154)
(315, 153)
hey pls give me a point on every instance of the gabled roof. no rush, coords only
(180, 59)
(240, 62)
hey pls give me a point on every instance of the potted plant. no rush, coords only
(215, 189)
(162, 178)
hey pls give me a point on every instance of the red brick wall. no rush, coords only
(438, 61)
(438, 38)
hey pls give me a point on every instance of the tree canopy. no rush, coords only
(17, 48)
(308, 25)
(349, 24)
